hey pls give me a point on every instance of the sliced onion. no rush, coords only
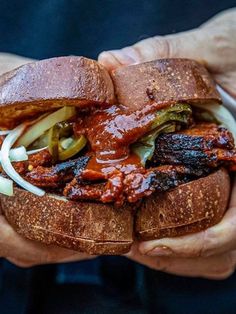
(7, 166)
(66, 142)
(44, 124)
(5, 132)
(227, 99)
(35, 151)
(17, 154)
(222, 115)
(6, 186)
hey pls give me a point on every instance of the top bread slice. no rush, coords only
(77, 81)
(52, 83)
(164, 82)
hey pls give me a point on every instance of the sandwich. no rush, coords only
(93, 161)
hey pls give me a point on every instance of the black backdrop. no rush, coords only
(46, 28)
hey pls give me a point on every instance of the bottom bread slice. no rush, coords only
(101, 229)
(189, 208)
(87, 227)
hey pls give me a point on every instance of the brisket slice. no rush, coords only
(134, 186)
(202, 137)
(205, 145)
(212, 158)
(56, 176)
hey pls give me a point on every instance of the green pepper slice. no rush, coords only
(77, 145)
(53, 139)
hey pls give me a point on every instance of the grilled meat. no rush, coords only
(204, 145)
(58, 175)
(134, 186)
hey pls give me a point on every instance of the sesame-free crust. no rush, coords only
(189, 208)
(49, 84)
(163, 82)
(87, 227)
(97, 228)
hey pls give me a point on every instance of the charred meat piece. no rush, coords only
(78, 191)
(212, 158)
(134, 186)
(56, 176)
(42, 158)
(200, 137)
(203, 145)
(159, 179)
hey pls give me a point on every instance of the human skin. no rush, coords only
(210, 253)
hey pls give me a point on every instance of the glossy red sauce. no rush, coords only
(111, 131)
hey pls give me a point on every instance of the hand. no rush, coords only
(9, 62)
(26, 253)
(210, 253)
(213, 43)
(13, 247)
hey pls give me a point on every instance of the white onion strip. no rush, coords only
(7, 166)
(5, 132)
(6, 186)
(17, 154)
(44, 124)
(34, 151)
(223, 115)
(227, 99)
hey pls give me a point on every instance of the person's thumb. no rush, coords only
(213, 44)
(179, 45)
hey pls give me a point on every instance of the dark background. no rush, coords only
(46, 28)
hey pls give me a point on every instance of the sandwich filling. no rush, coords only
(113, 155)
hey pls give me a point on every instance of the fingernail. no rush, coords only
(160, 251)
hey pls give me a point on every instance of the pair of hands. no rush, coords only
(210, 253)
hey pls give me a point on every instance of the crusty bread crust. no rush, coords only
(87, 227)
(189, 208)
(163, 82)
(103, 229)
(52, 83)
(98, 228)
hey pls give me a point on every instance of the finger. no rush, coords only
(110, 60)
(214, 267)
(18, 248)
(215, 240)
(184, 44)
(10, 61)
(29, 263)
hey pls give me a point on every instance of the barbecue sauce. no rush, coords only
(110, 133)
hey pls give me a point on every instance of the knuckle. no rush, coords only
(152, 48)
(222, 39)
(209, 243)
(135, 52)
(163, 47)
